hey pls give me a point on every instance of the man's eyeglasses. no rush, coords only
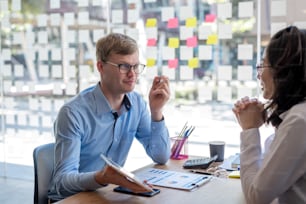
(125, 68)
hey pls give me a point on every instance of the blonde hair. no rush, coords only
(115, 43)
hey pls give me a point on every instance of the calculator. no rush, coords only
(199, 163)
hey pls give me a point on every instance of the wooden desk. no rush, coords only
(218, 190)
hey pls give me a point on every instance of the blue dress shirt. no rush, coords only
(86, 127)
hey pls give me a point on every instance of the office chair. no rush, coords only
(43, 157)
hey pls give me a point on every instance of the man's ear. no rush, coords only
(100, 66)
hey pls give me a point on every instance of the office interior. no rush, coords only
(207, 48)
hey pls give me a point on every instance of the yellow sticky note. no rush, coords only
(191, 22)
(193, 63)
(212, 39)
(151, 62)
(234, 174)
(151, 22)
(173, 42)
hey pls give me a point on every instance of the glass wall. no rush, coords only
(207, 48)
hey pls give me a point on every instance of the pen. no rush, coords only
(200, 172)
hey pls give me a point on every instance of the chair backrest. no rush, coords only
(43, 157)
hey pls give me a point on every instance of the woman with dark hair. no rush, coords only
(278, 175)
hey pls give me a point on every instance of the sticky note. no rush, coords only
(186, 32)
(151, 62)
(212, 39)
(173, 42)
(19, 71)
(71, 88)
(245, 52)
(42, 37)
(151, 22)
(133, 15)
(57, 88)
(151, 42)
(41, 20)
(16, 5)
(244, 72)
(234, 174)
(117, 16)
(224, 93)
(245, 9)
(151, 72)
(173, 63)
(278, 8)
(193, 63)
(151, 32)
(168, 53)
(225, 31)
(68, 18)
(83, 18)
(170, 73)
(167, 13)
(224, 10)
(186, 73)
(172, 23)
(185, 12)
(224, 72)
(191, 22)
(82, 3)
(133, 33)
(205, 52)
(210, 18)
(243, 91)
(44, 71)
(55, 19)
(151, 52)
(71, 72)
(56, 71)
(54, 4)
(186, 53)
(204, 93)
(192, 42)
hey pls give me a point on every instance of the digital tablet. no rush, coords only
(121, 189)
(130, 176)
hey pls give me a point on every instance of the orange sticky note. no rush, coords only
(191, 22)
(172, 23)
(210, 18)
(173, 63)
(173, 42)
(212, 39)
(151, 42)
(193, 63)
(151, 62)
(151, 22)
(192, 42)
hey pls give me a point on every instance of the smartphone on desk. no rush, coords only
(121, 189)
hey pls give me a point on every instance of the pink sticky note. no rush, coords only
(151, 42)
(209, 18)
(192, 42)
(173, 63)
(172, 23)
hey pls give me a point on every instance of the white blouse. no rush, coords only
(278, 175)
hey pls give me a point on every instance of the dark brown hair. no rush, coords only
(286, 53)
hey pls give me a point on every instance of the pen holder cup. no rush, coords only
(179, 148)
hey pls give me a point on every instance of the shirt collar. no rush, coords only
(102, 104)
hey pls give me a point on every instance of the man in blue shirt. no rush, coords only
(105, 118)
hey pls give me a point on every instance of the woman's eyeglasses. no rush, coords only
(261, 66)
